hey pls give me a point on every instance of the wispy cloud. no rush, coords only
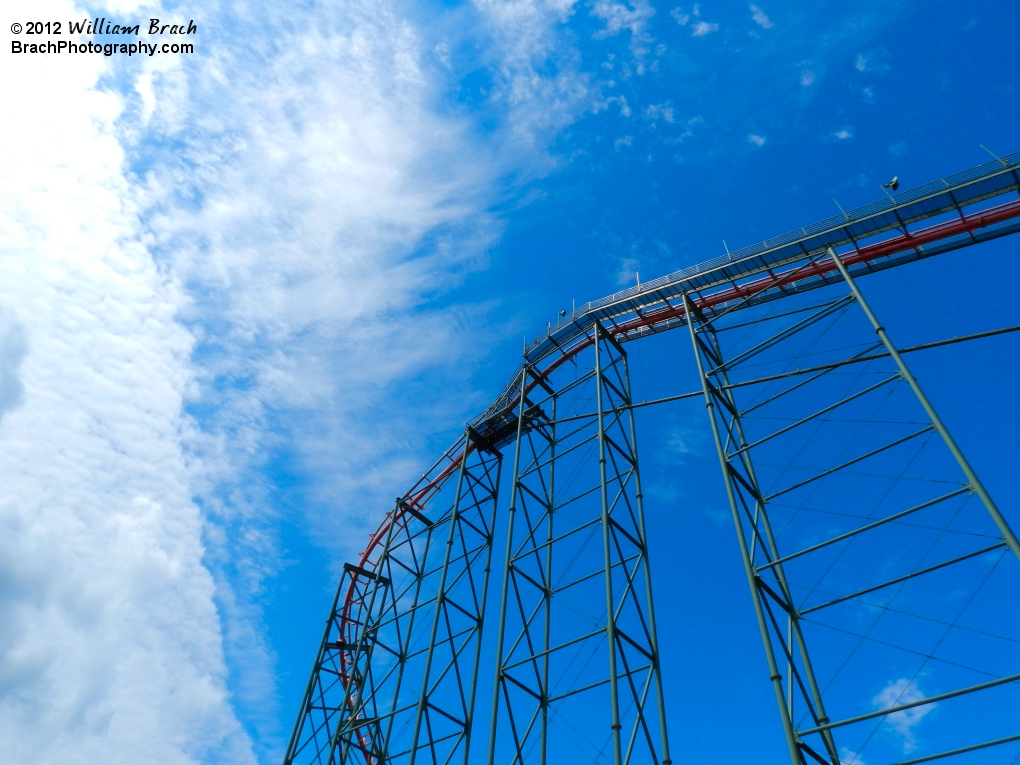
(663, 111)
(843, 134)
(536, 80)
(807, 78)
(686, 130)
(703, 28)
(681, 18)
(873, 62)
(685, 441)
(757, 140)
(699, 27)
(620, 16)
(903, 691)
(626, 274)
(323, 226)
(605, 103)
(759, 17)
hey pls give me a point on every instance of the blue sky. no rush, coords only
(248, 294)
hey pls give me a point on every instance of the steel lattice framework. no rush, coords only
(854, 509)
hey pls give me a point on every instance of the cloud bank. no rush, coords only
(111, 647)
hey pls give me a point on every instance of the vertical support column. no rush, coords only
(306, 702)
(775, 676)
(423, 698)
(547, 627)
(789, 665)
(403, 645)
(614, 697)
(975, 483)
(444, 712)
(340, 688)
(469, 721)
(643, 538)
(574, 478)
(761, 522)
(507, 562)
(362, 654)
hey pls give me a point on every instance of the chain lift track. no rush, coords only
(397, 670)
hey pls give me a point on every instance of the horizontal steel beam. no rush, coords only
(862, 529)
(816, 415)
(848, 463)
(912, 704)
(961, 750)
(905, 577)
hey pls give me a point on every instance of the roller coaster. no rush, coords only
(871, 548)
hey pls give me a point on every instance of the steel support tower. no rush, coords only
(860, 524)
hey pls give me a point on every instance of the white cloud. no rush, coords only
(633, 18)
(627, 140)
(873, 62)
(333, 203)
(687, 131)
(619, 16)
(843, 134)
(759, 17)
(757, 140)
(703, 28)
(903, 691)
(850, 757)
(111, 648)
(626, 274)
(807, 78)
(621, 101)
(12, 353)
(537, 80)
(684, 440)
(698, 28)
(718, 515)
(312, 230)
(442, 54)
(661, 111)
